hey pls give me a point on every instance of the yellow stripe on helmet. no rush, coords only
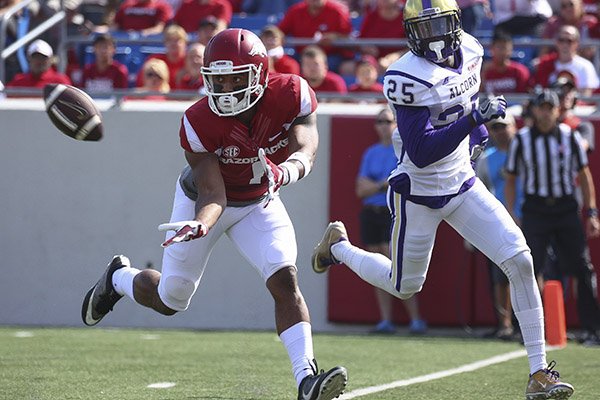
(414, 8)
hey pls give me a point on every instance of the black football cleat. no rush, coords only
(324, 385)
(102, 297)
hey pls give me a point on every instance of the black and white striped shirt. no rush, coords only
(548, 163)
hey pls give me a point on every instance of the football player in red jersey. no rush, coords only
(252, 134)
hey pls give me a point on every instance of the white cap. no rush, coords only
(41, 47)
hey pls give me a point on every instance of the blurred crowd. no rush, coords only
(157, 45)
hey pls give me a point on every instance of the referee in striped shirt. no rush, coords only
(548, 156)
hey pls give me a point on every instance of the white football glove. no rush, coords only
(490, 109)
(185, 230)
(275, 174)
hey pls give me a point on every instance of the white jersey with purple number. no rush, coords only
(448, 94)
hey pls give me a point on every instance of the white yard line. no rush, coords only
(438, 375)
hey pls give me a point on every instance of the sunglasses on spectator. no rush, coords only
(567, 5)
(566, 40)
(151, 74)
(384, 121)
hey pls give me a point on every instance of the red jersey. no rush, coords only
(287, 97)
(332, 83)
(286, 65)
(376, 27)
(374, 88)
(515, 79)
(191, 12)
(139, 14)
(114, 77)
(174, 68)
(334, 17)
(545, 68)
(28, 80)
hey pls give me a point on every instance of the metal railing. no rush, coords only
(6, 52)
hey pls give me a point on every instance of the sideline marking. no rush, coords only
(438, 375)
(161, 385)
(23, 334)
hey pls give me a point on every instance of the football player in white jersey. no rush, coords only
(434, 92)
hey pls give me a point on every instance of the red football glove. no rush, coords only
(185, 230)
(275, 174)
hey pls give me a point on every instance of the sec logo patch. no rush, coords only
(231, 151)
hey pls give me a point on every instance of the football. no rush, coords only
(73, 112)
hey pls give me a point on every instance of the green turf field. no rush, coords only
(97, 363)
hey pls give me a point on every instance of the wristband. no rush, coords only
(592, 213)
(303, 159)
(291, 172)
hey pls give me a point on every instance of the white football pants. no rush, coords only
(263, 235)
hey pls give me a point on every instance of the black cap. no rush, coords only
(547, 96)
(103, 37)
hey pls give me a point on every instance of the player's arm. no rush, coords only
(210, 203)
(211, 200)
(303, 143)
(424, 143)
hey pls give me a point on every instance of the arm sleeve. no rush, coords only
(425, 144)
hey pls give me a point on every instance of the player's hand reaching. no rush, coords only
(185, 230)
(489, 109)
(275, 174)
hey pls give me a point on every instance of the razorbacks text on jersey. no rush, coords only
(413, 83)
(286, 97)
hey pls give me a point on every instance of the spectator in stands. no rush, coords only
(567, 59)
(191, 12)
(189, 78)
(40, 56)
(571, 13)
(315, 70)
(148, 17)
(280, 62)
(500, 74)
(521, 17)
(366, 77)
(267, 7)
(384, 22)
(98, 15)
(208, 28)
(175, 40)
(156, 79)
(104, 74)
(567, 93)
(472, 13)
(323, 21)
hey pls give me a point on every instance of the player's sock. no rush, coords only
(122, 281)
(532, 329)
(373, 268)
(527, 303)
(297, 340)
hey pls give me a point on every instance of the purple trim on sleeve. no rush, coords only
(479, 135)
(426, 4)
(409, 76)
(425, 144)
